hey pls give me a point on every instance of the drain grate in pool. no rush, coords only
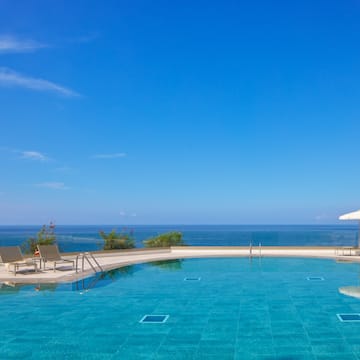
(315, 278)
(348, 317)
(192, 279)
(154, 319)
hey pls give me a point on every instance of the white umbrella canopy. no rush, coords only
(353, 291)
(355, 215)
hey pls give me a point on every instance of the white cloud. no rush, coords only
(11, 78)
(34, 155)
(53, 185)
(29, 155)
(125, 214)
(323, 217)
(109, 156)
(10, 44)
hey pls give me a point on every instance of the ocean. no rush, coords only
(86, 237)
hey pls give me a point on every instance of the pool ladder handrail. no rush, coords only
(90, 285)
(87, 256)
(251, 249)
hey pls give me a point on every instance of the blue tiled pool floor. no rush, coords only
(241, 309)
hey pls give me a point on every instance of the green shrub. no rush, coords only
(114, 240)
(173, 238)
(46, 236)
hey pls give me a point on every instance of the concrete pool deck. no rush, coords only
(114, 259)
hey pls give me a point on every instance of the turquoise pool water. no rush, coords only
(238, 309)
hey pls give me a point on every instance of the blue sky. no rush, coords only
(180, 112)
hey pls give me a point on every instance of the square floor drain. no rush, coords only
(315, 278)
(154, 319)
(348, 317)
(192, 279)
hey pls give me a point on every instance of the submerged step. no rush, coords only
(349, 317)
(155, 319)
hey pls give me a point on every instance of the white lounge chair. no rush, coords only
(11, 256)
(50, 253)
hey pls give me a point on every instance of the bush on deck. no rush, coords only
(173, 238)
(46, 236)
(114, 240)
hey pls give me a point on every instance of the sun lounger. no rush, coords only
(11, 256)
(50, 253)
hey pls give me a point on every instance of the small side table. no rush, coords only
(37, 259)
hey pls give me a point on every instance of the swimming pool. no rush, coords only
(228, 308)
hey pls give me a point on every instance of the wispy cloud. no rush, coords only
(11, 78)
(109, 156)
(11, 44)
(27, 155)
(53, 185)
(34, 155)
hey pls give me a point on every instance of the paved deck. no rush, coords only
(116, 259)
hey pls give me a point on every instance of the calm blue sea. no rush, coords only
(86, 238)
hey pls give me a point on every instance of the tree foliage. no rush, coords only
(46, 236)
(120, 240)
(173, 238)
(172, 265)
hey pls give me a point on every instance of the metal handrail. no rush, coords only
(85, 256)
(95, 261)
(77, 261)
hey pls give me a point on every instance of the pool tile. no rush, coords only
(332, 347)
(343, 356)
(182, 352)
